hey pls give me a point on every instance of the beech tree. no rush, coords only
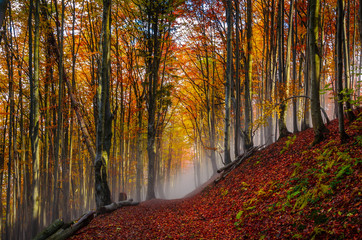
(104, 126)
(228, 82)
(248, 138)
(315, 58)
(339, 49)
(35, 124)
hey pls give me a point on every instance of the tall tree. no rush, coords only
(35, 122)
(153, 53)
(59, 138)
(282, 76)
(3, 6)
(104, 126)
(347, 66)
(248, 138)
(157, 17)
(228, 82)
(11, 142)
(315, 58)
(339, 49)
(237, 82)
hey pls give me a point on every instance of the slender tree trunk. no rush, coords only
(213, 119)
(9, 61)
(347, 68)
(315, 58)
(228, 82)
(295, 42)
(284, 71)
(307, 78)
(139, 167)
(339, 46)
(35, 115)
(3, 7)
(248, 138)
(104, 126)
(59, 138)
(237, 147)
(283, 130)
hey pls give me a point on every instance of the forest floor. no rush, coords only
(287, 190)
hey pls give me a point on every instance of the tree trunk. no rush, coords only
(104, 126)
(347, 68)
(58, 142)
(153, 55)
(294, 82)
(248, 138)
(314, 51)
(35, 115)
(139, 168)
(284, 71)
(228, 82)
(339, 47)
(3, 6)
(283, 131)
(9, 61)
(237, 147)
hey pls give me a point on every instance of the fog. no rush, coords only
(185, 181)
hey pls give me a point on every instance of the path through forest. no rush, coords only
(289, 189)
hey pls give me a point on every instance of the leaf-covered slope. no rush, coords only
(288, 190)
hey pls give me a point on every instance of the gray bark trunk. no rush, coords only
(35, 115)
(104, 126)
(227, 158)
(315, 58)
(248, 138)
(339, 47)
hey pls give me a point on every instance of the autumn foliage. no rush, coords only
(287, 190)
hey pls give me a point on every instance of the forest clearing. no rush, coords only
(144, 119)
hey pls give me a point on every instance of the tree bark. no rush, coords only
(35, 115)
(347, 67)
(228, 82)
(11, 142)
(3, 6)
(104, 126)
(59, 137)
(339, 47)
(50, 230)
(237, 134)
(248, 138)
(315, 58)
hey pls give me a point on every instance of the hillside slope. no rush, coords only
(287, 190)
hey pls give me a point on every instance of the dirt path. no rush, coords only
(158, 219)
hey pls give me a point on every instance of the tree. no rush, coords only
(248, 138)
(11, 142)
(59, 137)
(228, 82)
(315, 58)
(156, 18)
(35, 122)
(283, 75)
(104, 126)
(339, 47)
(3, 7)
(237, 82)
